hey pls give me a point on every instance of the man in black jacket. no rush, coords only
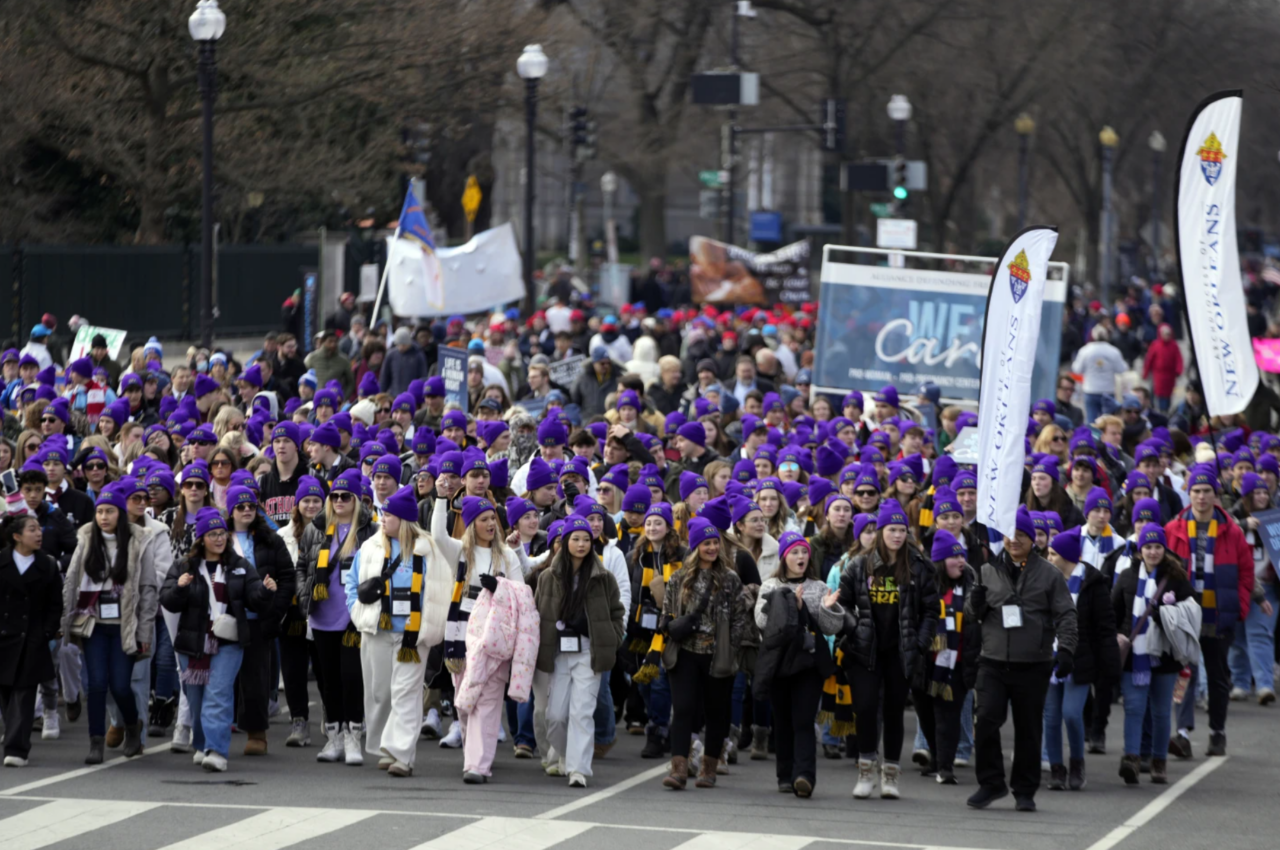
(279, 485)
(58, 539)
(75, 504)
(691, 442)
(595, 383)
(1022, 602)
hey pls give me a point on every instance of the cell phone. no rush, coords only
(9, 481)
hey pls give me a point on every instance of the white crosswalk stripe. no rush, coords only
(273, 829)
(744, 841)
(62, 820)
(525, 833)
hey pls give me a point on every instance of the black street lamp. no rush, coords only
(207, 24)
(1026, 126)
(532, 67)
(1108, 138)
(1158, 146)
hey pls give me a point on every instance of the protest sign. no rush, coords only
(453, 368)
(726, 274)
(84, 340)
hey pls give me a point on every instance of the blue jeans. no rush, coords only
(1064, 703)
(606, 724)
(1252, 653)
(657, 701)
(761, 709)
(963, 751)
(1159, 696)
(524, 724)
(1097, 404)
(213, 705)
(164, 662)
(108, 668)
(140, 682)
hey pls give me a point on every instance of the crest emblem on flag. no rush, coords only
(1211, 157)
(1019, 276)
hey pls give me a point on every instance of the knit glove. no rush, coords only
(1066, 663)
(489, 583)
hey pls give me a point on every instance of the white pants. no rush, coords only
(392, 697)
(541, 687)
(571, 707)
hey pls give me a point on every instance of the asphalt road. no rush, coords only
(286, 798)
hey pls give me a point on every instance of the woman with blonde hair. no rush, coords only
(29, 442)
(398, 590)
(228, 419)
(1052, 440)
(481, 556)
(718, 474)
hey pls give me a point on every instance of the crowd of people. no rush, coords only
(638, 521)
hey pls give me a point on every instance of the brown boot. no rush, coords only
(679, 774)
(707, 776)
(1159, 772)
(256, 745)
(115, 736)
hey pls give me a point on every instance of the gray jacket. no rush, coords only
(139, 596)
(830, 620)
(1047, 611)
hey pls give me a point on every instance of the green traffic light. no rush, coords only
(900, 192)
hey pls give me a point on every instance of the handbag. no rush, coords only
(82, 624)
(225, 628)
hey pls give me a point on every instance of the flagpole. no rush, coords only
(382, 284)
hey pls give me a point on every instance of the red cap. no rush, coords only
(49, 320)
(729, 335)
(805, 322)
(709, 310)
(1095, 305)
(808, 307)
(625, 309)
(577, 316)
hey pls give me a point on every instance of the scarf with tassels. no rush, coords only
(649, 667)
(331, 543)
(1206, 583)
(197, 672)
(946, 644)
(643, 642)
(925, 520)
(1141, 673)
(836, 707)
(408, 652)
(455, 626)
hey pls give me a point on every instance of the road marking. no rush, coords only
(604, 793)
(1158, 805)
(63, 820)
(744, 841)
(82, 771)
(273, 829)
(525, 833)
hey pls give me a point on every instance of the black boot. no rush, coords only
(652, 745)
(165, 709)
(97, 745)
(1075, 775)
(133, 740)
(1057, 777)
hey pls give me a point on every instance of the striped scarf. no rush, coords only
(1141, 599)
(925, 519)
(1206, 583)
(321, 589)
(197, 672)
(649, 668)
(455, 626)
(1095, 550)
(836, 707)
(946, 646)
(409, 642)
(1074, 581)
(627, 538)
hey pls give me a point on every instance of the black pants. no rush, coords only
(939, 721)
(882, 691)
(296, 652)
(1218, 674)
(1001, 687)
(18, 708)
(1103, 696)
(341, 682)
(696, 694)
(795, 700)
(253, 684)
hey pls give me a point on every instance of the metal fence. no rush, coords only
(148, 290)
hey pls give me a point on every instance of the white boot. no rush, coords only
(889, 781)
(181, 739)
(866, 779)
(353, 743)
(332, 750)
(51, 730)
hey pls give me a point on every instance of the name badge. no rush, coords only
(401, 605)
(649, 621)
(1199, 585)
(467, 604)
(946, 658)
(1012, 616)
(342, 576)
(570, 643)
(109, 610)
(951, 624)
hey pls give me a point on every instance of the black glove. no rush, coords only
(978, 598)
(1066, 663)
(570, 492)
(489, 583)
(370, 590)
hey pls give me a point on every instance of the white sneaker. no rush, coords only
(181, 740)
(453, 740)
(431, 724)
(577, 780)
(197, 758)
(1238, 694)
(961, 762)
(333, 748)
(14, 761)
(889, 781)
(214, 762)
(866, 779)
(502, 735)
(51, 730)
(696, 749)
(353, 743)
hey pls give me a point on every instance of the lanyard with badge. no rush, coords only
(468, 602)
(401, 604)
(109, 602)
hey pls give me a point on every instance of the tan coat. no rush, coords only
(139, 597)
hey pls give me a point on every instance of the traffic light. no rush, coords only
(582, 134)
(832, 120)
(898, 179)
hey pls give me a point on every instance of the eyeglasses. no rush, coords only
(220, 462)
(384, 410)
(341, 497)
(865, 494)
(95, 467)
(192, 485)
(138, 497)
(247, 506)
(1058, 439)
(33, 447)
(217, 534)
(49, 420)
(788, 467)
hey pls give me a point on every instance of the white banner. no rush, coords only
(1210, 264)
(1011, 332)
(484, 272)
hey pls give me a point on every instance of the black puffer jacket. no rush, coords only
(271, 557)
(191, 603)
(1097, 655)
(917, 611)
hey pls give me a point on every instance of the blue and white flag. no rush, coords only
(1010, 334)
(415, 285)
(1210, 264)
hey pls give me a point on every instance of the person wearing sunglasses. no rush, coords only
(55, 418)
(96, 468)
(266, 552)
(212, 591)
(202, 442)
(344, 527)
